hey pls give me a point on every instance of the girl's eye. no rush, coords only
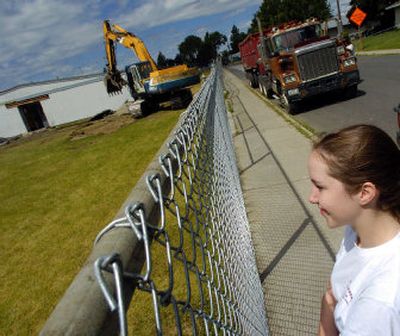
(319, 187)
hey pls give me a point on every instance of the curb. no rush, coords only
(303, 128)
(378, 52)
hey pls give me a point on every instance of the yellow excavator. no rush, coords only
(144, 79)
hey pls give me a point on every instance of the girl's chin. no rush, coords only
(329, 220)
(332, 224)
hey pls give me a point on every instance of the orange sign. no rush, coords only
(358, 16)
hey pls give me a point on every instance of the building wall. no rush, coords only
(11, 123)
(65, 104)
(81, 102)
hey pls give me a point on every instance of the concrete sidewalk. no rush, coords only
(294, 248)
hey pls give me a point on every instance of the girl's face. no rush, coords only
(336, 205)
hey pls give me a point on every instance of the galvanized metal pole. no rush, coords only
(340, 23)
(262, 41)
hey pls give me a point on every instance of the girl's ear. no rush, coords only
(368, 193)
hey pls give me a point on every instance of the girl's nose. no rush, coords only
(313, 198)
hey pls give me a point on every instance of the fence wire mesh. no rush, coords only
(200, 273)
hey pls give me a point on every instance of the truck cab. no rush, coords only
(297, 61)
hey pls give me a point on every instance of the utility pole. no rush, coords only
(339, 21)
(262, 40)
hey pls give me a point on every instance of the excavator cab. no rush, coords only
(138, 77)
(143, 69)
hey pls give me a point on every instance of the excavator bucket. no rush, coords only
(114, 83)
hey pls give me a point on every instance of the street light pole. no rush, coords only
(340, 24)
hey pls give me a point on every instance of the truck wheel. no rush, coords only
(262, 88)
(291, 108)
(350, 92)
(249, 77)
(270, 94)
(253, 82)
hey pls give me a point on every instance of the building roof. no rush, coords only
(33, 90)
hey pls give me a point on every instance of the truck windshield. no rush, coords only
(297, 37)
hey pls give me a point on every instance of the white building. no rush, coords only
(396, 8)
(29, 107)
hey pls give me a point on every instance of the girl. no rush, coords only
(355, 175)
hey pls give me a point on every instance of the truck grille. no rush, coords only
(317, 61)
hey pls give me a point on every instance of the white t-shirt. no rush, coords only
(366, 285)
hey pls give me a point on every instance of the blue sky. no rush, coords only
(46, 39)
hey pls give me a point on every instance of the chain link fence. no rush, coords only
(181, 241)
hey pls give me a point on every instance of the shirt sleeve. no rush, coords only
(369, 317)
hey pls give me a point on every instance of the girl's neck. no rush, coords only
(375, 227)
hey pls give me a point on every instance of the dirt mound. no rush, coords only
(106, 125)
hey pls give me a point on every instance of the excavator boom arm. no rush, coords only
(113, 80)
(110, 48)
(129, 41)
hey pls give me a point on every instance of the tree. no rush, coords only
(236, 38)
(195, 51)
(190, 48)
(225, 57)
(205, 55)
(178, 59)
(214, 40)
(276, 12)
(164, 62)
(161, 61)
(211, 44)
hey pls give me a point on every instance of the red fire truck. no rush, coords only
(298, 60)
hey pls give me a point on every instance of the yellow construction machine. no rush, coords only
(144, 80)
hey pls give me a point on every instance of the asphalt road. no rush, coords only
(377, 95)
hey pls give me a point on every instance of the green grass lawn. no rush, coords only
(388, 40)
(56, 194)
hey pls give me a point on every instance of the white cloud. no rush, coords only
(172, 4)
(42, 38)
(40, 34)
(162, 12)
(201, 31)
